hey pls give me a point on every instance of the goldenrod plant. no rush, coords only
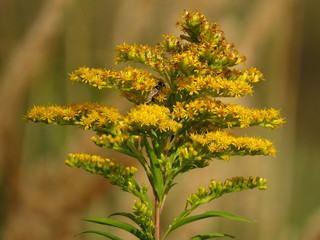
(178, 123)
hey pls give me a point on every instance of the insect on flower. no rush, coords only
(154, 92)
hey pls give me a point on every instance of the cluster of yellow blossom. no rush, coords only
(144, 217)
(177, 108)
(126, 80)
(219, 83)
(110, 141)
(99, 165)
(88, 115)
(177, 123)
(135, 84)
(191, 157)
(223, 145)
(199, 29)
(196, 61)
(197, 67)
(156, 117)
(150, 56)
(99, 118)
(209, 39)
(229, 115)
(217, 189)
(171, 43)
(186, 62)
(116, 172)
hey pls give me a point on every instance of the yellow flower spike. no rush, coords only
(154, 116)
(181, 127)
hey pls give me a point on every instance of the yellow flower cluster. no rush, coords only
(156, 117)
(134, 83)
(198, 67)
(97, 163)
(229, 115)
(177, 123)
(177, 110)
(110, 141)
(191, 157)
(171, 43)
(144, 217)
(209, 39)
(187, 62)
(199, 59)
(222, 145)
(220, 83)
(150, 56)
(217, 188)
(88, 115)
(199, 29)
(116, 172)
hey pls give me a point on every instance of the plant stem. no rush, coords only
(157, 218)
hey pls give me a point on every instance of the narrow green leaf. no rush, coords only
(206, 215)
(153, 133)
(118, 224)
(108, 235)
(155, 170)
(125, 214)
(155, 142)
(210, 235)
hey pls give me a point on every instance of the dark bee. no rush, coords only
(154, 92)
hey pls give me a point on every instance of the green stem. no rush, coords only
(139, 156)
(157, 218)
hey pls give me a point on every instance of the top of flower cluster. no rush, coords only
(175, 104)
(177, 123)
(195, 65)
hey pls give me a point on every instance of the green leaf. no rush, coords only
(155, 170)
(207, 215)
(210, 235)
(125, 214)
(118, 224)
(154, 134)
(108, 235)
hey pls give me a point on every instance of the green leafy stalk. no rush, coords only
(176, 124)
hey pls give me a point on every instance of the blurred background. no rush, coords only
(42, 41)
